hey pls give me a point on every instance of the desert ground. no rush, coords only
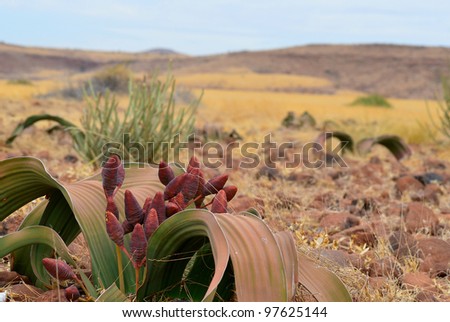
(382, 225)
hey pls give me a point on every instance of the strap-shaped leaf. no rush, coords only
(258, 264)
(72, 208)
(182, 235)
(289, 253)
(34, 235)
(112, 294)
(346, 140)
(324, 285)
(393, 143)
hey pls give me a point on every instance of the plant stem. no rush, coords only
(136, 269)
(120, 270)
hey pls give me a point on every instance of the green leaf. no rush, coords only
(112, 294)
(393, 143)
(346, 140)
(35, 235)
(77, 136)
(72, 208)
(324, 285)
(173, 244)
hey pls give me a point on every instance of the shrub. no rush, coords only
(114, 79)
(151, 117)
(372, 100)
(444, 109)
(20, 81)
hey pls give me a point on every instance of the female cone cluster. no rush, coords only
(187, 190)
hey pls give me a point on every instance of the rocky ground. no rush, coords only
(381, 225)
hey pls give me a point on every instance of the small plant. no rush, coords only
(305, 120)
(151, 117)
(393, 143)
(20, 81)
(375, 100)
(180, 244)
(444, 109)
(113, 79)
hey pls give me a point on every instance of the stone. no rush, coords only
(303, 178)
(387, 266)
(419, 217)
(23, 292)
(53, 296)
(360, 235)
(408, 183)
(8, 278)
(418, 280)
(435, 254)
(243, 203)
(338, 257)
(335, 222)
(429, 177)
(378, 283)
(70, 158)
(403, 244)
(432, 192)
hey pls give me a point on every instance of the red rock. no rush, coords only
(418, 280)
(419, 217)
(432, 192)
(408, 183)
(339, 257)
(335, 222)
(425, 296)
(387, 266)
(378, 283)
(52, 296)
(403, 244)
(360, 235)
(243, 203)
(23, 293)
(435, 253)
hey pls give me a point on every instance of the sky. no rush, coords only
(203, 27)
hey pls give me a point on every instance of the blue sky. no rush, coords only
(216, 26)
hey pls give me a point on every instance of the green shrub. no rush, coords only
(444, 109)
(20, 81)
(151, 117)
(114, 79)
(372, 100)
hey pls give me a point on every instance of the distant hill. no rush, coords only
(161, 51)
(390, 70)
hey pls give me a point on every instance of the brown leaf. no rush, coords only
(219, 204)
(138, 246)
(215, 184)
(151, 223)
(165, 173)
(59, 269)
(114, 228)
(133, 210)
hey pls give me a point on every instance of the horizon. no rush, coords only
(217, 27)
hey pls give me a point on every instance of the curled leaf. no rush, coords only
(138, 246)
(58, 269)
(114, 228)
(219, 204)
(174, 186)
(133, 210)
(215, 184)
(151, 223)
(165, 173)
(113, 175)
